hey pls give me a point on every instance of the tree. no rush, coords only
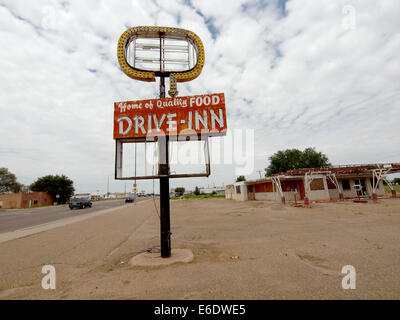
(55, 185)
(179, 191)
(8, 182)
(196, 191)
(396, 181)
(240, 178)
(291, 159)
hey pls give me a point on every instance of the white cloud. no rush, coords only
(298, 77)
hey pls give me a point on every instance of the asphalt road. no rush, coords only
(16, 219)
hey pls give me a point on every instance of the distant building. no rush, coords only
(217, 190)
(116, 195)
(25, 200)
(81, 195)
(97, 197)
(120, 195)
(316, 184)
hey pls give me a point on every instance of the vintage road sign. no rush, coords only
(136, 44)
(190, 115)
(145, 53)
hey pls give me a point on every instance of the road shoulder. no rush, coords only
(7, 236)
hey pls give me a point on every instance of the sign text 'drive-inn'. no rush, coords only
(200, 114)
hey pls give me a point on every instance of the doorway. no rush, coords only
(363, 189)
(250, 193)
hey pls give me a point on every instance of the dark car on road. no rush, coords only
(130, 199)
(80, 203)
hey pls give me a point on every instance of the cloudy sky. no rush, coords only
(299, 73)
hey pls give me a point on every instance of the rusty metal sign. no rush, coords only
(191, 115)
(149, 51)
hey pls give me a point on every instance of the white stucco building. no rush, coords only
(331, 183)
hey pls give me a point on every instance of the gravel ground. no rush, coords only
(242, 250)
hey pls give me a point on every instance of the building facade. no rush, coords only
(25, 200)
(316, 184)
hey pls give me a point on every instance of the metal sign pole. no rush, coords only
(164, 189)
(164, 170)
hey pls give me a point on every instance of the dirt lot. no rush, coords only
(243, 250)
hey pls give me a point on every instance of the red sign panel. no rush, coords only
(202, 114)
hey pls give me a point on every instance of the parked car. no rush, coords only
(130, 199)
(80, 203)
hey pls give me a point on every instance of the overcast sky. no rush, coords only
(301, 73)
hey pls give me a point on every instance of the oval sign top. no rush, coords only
(146, 52)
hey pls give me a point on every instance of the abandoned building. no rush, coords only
(333, 183)
(25, 200)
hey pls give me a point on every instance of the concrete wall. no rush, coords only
(289, 195)
(266, 196)
(10, 201)
(380, 191)
(242, 196)
(320, 194)
(333, 194)
(36, 199)
(25, 200)
(348, 193)
(352, 193)
(323, 194)
(275, 196)
(231, 193)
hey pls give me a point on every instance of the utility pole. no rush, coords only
(135, 185)
(259, 172)
(108, 186)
